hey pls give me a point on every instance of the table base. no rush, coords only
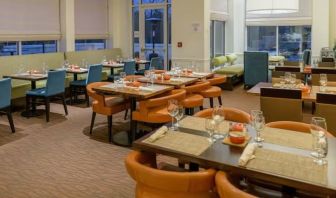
(121, 139)
(32, 113)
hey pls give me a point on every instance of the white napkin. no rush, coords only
(158, 134)
(141, 88)
(248, 154)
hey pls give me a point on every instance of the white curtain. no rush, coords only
(29, 20)
(91, 19)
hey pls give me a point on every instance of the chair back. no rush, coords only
(281, 104)
(255, 68)
(231, 114)
(197, 87)
(156, 63)
(6, 91)
(326, 64)
(153, 182)
(291, 63)
(129, 67)
(288, 68)
(290, 125)
(217, 80)
(94, 74)
(55, 82)
(331, 75)
(306, 57)
(226, 188)
(326, 108)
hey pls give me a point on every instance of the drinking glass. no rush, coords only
(66, 64)
(293, 79)
(104, 60)
(218, 117)
(152, 77)
(148, 76)
(122, 76)
(172, 111)
(287, 77)
(255, 115)
(318, 130)
(259, 126)
(323, 82)
(282, 81)
(210, 126)
(179, 116)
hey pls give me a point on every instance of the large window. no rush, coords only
(288, 41)
(217, 38)
(90, 44)
(38, 47)
(9, 48)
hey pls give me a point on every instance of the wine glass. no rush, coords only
(152, 77)
(210, 126)
(122, 76)
(218, 117)
(172, 111)
(148, 76)
(323, 82)
(179, 116)
(255, 115)
(318, 130)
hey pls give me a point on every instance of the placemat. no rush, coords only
(182, 142)
(287, 138)
(289, 165)
(330, 89)
(198, 124)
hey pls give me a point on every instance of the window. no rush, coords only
(90, 44)
(38, 47)
(217, 38)
(9, 48)
(288, 41)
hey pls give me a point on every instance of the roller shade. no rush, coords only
(29, 20)
(219, 10)
(91, 19)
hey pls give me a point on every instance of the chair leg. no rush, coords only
(109, 120)
(126, 112)
(27, 103)
(211, 102)
(192, 110)
(87, 98)
(220, 100)
(47, 105)
(64, 105)
(71, 94)
(201, 108)
(10, 119)
(92, 121)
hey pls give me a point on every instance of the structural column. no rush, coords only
(67, 42)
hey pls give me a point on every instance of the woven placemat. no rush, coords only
(182, 142)
(198, 124)
(289, 165)
(330, 89)
(288, 138)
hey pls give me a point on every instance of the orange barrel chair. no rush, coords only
(193, 98)
(226, 189)
(231, 114)
(214, 91)
(107, 106)
(294, 126)
(155, 183)
(154, 110)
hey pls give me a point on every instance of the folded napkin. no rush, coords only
(248, 154)
(141, 88)
(158, 134)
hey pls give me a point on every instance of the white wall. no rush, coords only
(332, 23)
(67, 42)
(187, 15)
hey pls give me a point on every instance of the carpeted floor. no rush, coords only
(60, 159)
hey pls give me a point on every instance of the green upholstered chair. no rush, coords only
(255, 68)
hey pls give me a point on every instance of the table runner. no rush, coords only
(182, 142)
(198, 124)
(287, 138)
(289, 165)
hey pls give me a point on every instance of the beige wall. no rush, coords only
(332, 23)
(191, 26)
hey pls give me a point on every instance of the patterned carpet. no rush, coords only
(60, 159)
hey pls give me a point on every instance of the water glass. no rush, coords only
(210, 125)
(318, 130)
(122, 76)
(259, 126)
(218, 117)
(152, 77)
(323, 82)
(172, 111)
(179, 116)
(148, 75)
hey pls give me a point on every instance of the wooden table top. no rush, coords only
(114, 65)
(133, 92)
(29, 77)
(224, 157)
(311, 96)
(176, 82)
(200, 75)
(142, 62)
(76, 71)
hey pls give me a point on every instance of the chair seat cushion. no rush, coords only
(155, 115)
(211, 92)
(193, 100)
(78, 83)
(231, 70)
(37, 92)
(112, 101)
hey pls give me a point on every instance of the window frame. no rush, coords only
(104, 43)
(213, 38)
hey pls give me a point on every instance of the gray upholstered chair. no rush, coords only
(255, 67)
(281, 104)
(326, 108)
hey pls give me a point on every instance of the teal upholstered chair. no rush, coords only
(255, 68)
(55, 87)
(155, 63)
(129, 68)
(79, 86)
(5, 100)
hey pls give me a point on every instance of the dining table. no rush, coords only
(177, 82)
(133, 94)
(282, 159)
(33, 78)
(139, 62)
(76, 72)
(113, 66)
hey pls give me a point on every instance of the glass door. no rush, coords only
(153, 32)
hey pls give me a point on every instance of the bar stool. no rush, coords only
(214, 91)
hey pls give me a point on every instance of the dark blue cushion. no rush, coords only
(78, 83)
(37, 92)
